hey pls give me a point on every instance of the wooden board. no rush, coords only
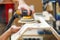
(37, 4)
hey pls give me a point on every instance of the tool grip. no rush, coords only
(11, 21)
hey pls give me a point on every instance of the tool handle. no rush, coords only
(11, 21)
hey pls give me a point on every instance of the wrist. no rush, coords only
(25, 6)
(10, 31)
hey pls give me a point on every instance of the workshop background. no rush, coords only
(5, 16)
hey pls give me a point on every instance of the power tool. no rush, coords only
(18, 14)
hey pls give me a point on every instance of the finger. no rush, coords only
(33, 11)
(15, 27)
(28, 11)
(18, 27)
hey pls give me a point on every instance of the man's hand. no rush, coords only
(14, 29)
(25, 7)
(9, 32)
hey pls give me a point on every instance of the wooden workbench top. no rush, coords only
(6, 3)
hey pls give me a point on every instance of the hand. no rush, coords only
(25, 7)
(14, 29)
(9, 32)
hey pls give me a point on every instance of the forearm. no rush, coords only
(5, 35)
(21, 2)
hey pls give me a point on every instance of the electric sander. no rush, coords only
(24, 14)
(25, 18)
(19, 14)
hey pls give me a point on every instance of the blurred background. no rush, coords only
(51, 6)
